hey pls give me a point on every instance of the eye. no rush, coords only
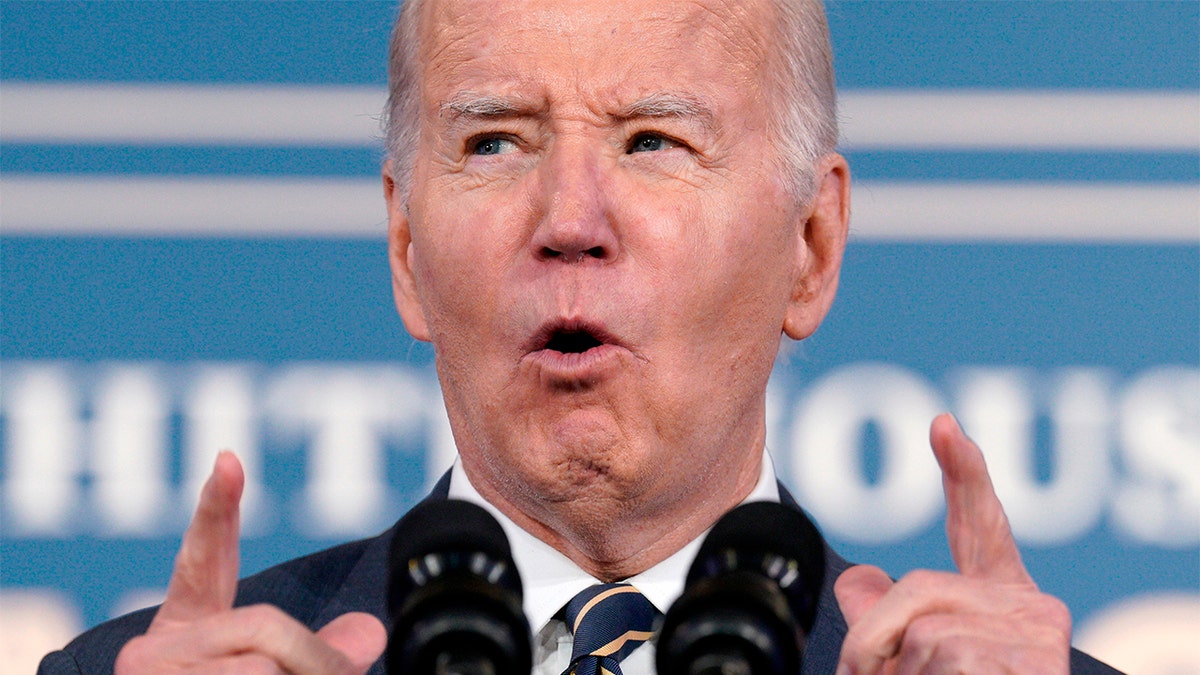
(492, 145)
(649, 142)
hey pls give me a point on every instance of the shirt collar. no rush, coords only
(550, 579)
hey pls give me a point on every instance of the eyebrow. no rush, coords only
(479, 106)
(668, 104)
(476, 106)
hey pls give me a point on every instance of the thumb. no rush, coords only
(358, 635)
(858, 589)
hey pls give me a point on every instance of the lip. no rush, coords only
(573, 367)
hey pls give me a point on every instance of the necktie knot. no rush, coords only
(608, 622)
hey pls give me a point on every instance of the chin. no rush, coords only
(583, 471)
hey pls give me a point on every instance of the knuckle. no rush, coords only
(260, 625)
(917, 581)
(1057, 613)
(850, 646)
(255, 664)
(860, 648)
(962, 656)
(853, 644)
(924, 632)
(262, 614)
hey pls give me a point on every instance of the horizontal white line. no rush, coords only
(295, 207)
(348, 116)
(1100, 212)
(35, 205)
(191, 114)
(1041, 120)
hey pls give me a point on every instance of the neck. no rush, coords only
(616, 537)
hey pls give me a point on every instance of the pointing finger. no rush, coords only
(981, 541)
(204, 580)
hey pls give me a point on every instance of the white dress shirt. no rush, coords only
(550, 579)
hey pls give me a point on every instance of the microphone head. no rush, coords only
(765, 526)
(751, 596)
(436, 526)
(454, 594)
(759, 534)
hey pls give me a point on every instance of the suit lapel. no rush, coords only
(828, 631)
(365, 587)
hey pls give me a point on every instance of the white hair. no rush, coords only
(402, 116)
(805, 101)
(803, 119)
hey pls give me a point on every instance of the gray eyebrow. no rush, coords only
(470, 104)
(667, 104)
(662, 104)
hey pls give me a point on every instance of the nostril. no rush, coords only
(595, 252)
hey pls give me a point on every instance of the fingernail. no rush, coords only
(217, 460)
(212, 474)
(843, 669)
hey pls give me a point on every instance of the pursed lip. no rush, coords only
(602, 349)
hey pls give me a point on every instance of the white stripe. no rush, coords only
(326, 207)
(191, 114)
(192, 206)
(1078, 212)
(348, 116)
(1071, 120)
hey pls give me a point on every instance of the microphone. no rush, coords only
(750, 598)
(455, 594)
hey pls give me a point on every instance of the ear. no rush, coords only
(400, 254)
(819, 246)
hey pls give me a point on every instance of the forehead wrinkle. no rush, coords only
(742, 29)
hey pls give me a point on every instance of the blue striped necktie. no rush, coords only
(608, 621)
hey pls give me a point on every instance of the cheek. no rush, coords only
(465, 245)
(733, 263)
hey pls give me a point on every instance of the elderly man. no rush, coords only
(603, 215)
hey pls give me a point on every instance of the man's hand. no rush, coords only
(989, 618)
(197, 630)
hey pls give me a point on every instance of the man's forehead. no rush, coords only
(566, 16)
(465, 36)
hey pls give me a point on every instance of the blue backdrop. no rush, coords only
(182, 272)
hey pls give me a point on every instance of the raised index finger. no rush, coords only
(981, 540)
(204, 580)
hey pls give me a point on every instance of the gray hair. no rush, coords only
(804, 118)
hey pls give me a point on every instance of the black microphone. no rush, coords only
(455, 595)
(750, 599)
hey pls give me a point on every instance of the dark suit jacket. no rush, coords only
(352, 577)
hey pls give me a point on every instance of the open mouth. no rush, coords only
(572, 352)
(570, 337)
(572, 341)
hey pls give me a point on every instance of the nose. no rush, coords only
(576, 218)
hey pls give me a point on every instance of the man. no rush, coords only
(603, 214)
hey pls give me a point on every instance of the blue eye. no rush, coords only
(492, 146)
(651, 142)
(646, 143)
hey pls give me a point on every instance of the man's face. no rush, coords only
(598, 243)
